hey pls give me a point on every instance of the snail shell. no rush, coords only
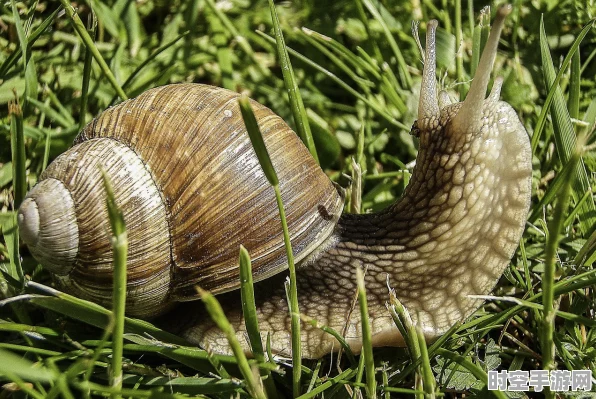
(191, 190)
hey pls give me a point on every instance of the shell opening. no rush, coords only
(428, 107)
(48, 225)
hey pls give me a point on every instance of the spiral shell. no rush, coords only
(191, 190)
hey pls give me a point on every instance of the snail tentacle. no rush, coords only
(428, 106)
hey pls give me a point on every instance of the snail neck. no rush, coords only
(450, 236)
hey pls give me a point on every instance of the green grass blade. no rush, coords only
(296, 104)
(12, 59)
(242, 41)
(92, 313)
(10, 232)
(364, 84)
(548, 279)
(250, 319)
(428, 379)
(342, 51)
(376, 107)
(120, 248)
(552, 192)
(82, 31)
(65, 113)
(13, 365)
(248, 305)
(472, 368)
(17, 145)
(402, 66)
(565, 138)
(553, 83)
(50, 113)
(369, 362)
(407, 328)
(218, 316)
(481, 32)
(574, 86)
(459, 54)
(91, 30)
(148, 60)
(20, 33)
(356, 188)
(258, 144)
(256, 138)
(330, 382)
(587, 254)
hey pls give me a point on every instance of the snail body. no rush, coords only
(448, 238)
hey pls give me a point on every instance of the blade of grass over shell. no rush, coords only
(91, 30)
(258, 144)
(564, 133)
(17, 145)
(250, 319)
(82, 32)
(402, 66)
(369, 362)
(376, 107)
(120, 248)
(218, 316)
(296, 104)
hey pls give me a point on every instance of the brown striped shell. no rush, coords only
(191, 190)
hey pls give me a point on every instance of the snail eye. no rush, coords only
(415, 130)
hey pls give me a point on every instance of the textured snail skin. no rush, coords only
(450, 236)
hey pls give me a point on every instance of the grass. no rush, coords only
(355, 72)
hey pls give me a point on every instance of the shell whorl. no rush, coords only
(74, 182)
(48, 225)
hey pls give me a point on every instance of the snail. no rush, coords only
(191, 190)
